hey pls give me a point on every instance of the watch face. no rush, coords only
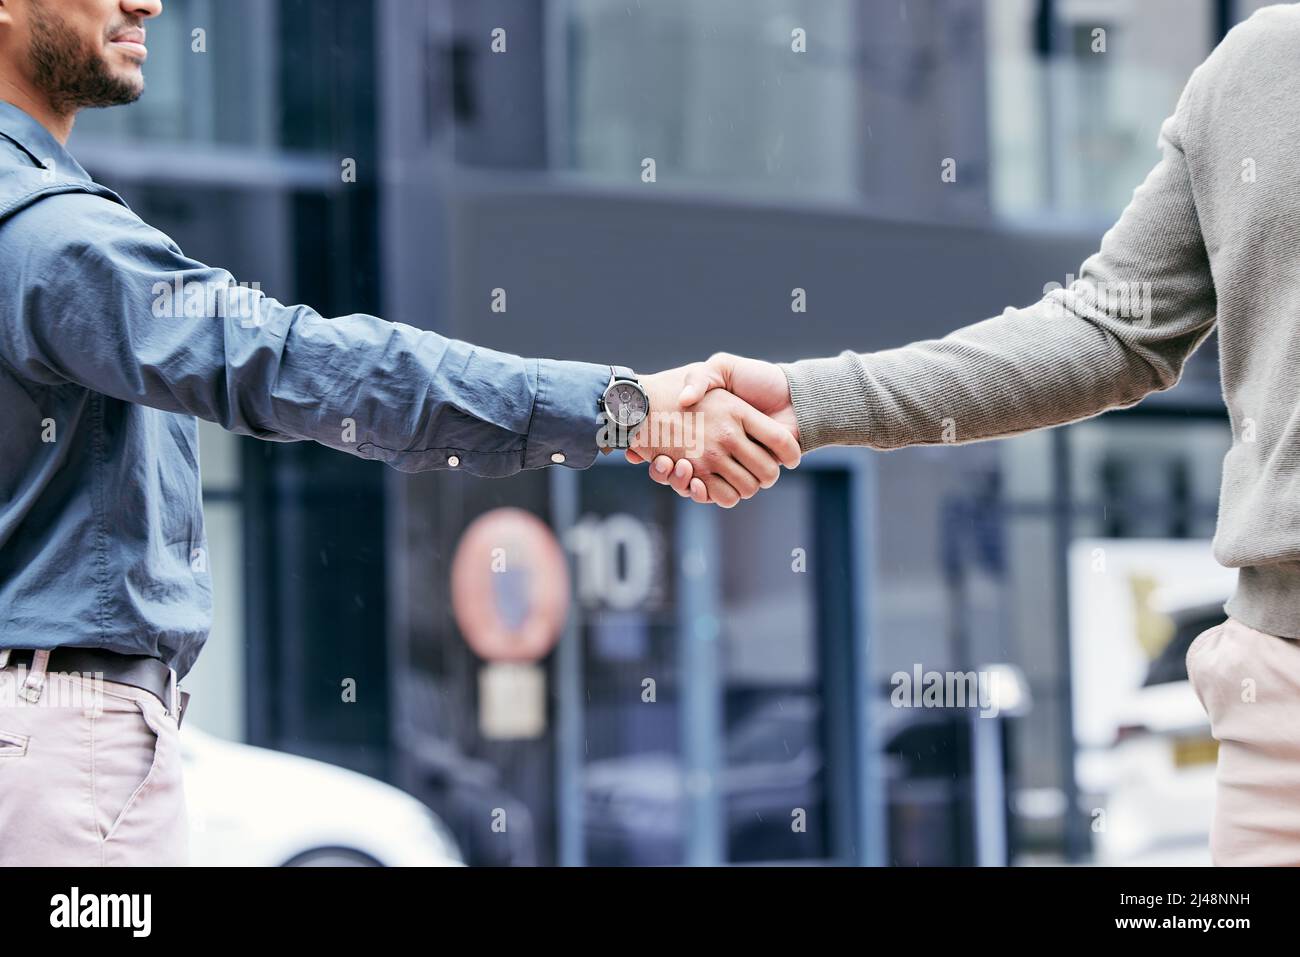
(626, 404)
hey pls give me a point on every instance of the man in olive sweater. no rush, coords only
(1212, 235)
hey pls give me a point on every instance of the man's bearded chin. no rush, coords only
(72, 76)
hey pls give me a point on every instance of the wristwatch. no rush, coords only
(623, 407)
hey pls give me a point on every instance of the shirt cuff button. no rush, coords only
(558, 458)
(453, 460)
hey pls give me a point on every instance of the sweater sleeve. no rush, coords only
(1141, 305)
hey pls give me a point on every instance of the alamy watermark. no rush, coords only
(946, 689)
(84, 690)
(190, 299)
(660, 430)
(1119, 300)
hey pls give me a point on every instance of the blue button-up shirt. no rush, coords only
(113, 342)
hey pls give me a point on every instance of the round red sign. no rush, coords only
(509, 586)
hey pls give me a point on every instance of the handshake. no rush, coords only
(718, 431)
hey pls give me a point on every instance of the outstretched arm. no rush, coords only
(1143, 303)
(108, 303)
(111, 304)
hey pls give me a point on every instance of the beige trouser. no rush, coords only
(1249, 684)
(90, 775)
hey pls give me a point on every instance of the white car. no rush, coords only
(252, 807)
(1159, 810)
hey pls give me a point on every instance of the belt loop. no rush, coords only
(34, 685)
(174, 695)
(4, 657)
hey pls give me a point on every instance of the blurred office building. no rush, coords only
(692, 685)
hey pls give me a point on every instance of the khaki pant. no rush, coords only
(1249, 685)
(90, 775)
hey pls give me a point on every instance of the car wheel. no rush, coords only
(332, 857)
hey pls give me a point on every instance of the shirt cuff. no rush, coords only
(565, 420)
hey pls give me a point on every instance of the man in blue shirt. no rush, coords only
(112, 344)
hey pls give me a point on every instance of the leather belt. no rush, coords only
(139, 671)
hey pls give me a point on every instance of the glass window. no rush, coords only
(1074, 130)
(812, 101)
(713, 93)
(774, 791)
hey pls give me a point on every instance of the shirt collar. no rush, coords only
(38, 142)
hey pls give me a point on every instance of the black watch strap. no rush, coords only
(617, 374)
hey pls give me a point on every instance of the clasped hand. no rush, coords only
(719, 430)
